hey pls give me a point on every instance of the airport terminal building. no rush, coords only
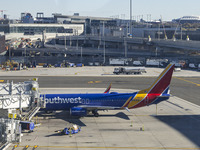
(58, 25)
(37, 30)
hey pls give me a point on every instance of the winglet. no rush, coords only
(108, 89)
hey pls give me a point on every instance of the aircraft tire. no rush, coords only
(96, 114)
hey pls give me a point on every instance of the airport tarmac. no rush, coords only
(175, 124)
(184, 87)
(89, 71)
(185, 84)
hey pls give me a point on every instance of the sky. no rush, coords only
(167, 9)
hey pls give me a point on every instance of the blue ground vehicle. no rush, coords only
(71, 130)
(26, 125)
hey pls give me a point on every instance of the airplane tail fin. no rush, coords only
(108, 89)
(156, 93)
(161, 85)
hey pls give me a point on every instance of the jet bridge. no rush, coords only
(19, 95)
(18, 101)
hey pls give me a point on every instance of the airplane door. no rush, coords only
(43, 100)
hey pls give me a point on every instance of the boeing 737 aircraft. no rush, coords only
(82, 104)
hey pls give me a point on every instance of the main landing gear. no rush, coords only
(96, 114)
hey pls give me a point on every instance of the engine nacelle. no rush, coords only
(78, 111)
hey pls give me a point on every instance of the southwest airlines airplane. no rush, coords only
(82, 104)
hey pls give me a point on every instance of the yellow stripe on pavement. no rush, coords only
(105, 147)
(187, 81)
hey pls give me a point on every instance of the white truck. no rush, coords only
(157, 62)
(137, 63)
(129, 70)
(118, 61)
(152, 63)
(192, 66)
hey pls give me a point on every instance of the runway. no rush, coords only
(184, 87)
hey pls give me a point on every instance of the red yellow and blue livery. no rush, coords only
(82, 104)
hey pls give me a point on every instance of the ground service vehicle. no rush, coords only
(129, 70)
(71, 130)
(118, 61)
(137, 63)
(26, 125)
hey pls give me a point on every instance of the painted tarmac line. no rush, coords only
(105, 147)
(187, 81)
(94, 81)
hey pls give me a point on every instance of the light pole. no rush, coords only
(77, 40)
(70, 41)
(104, 45)
(81, 54)
(25, 55)
(130, 17)
(159, 31)
(181, 33)
(125, 47)
(65, 40)
(104, 52)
